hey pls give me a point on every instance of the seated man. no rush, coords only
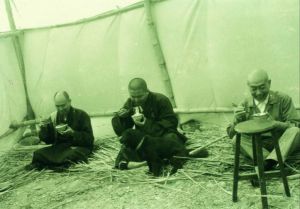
(280, 108)
(72, 144)
(149, 113)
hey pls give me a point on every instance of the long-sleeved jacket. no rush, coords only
(280, 108)
(79, 121)
(160, 117)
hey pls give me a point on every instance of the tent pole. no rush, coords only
(19, 54)
(159, 52)
(176, 110)
(219, 110)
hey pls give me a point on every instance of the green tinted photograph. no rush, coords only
(149, 104)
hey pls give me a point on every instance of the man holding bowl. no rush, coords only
(69, 133)
(271, 105)
(148, 113)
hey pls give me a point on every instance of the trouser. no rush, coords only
(289, 142)
(60, 155)
(127, 154)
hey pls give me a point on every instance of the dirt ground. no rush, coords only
(203, 183)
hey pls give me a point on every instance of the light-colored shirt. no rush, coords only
(262, 105)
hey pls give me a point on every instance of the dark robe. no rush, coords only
(66, 149)
(161, 121)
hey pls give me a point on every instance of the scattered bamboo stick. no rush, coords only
(196, 151)
(215, 168)
(170, 188)
(226, 192)
(292, 177)
(184, 173)
(167, 178)
(290, 167)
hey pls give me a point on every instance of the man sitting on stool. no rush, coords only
(71, 144)
(280, 108)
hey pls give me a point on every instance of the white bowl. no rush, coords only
(262, 115)
(137, 117)
(61, 127)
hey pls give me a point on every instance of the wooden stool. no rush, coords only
(255, 128)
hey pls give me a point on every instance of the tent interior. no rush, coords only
(92, 49)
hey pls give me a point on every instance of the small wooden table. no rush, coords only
(255, 128)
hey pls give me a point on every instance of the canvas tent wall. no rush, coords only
(210, 46)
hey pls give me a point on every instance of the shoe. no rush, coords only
(123, 165)
(269, 164)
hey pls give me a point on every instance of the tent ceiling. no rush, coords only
(39, 13)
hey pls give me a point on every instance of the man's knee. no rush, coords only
(292, 132)
(117, 126)
(295, 130)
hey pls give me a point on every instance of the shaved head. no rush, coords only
(62, 101)
(258, 77)
(259, 84)
(138, 91)
(138, 83)
(61, 97)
